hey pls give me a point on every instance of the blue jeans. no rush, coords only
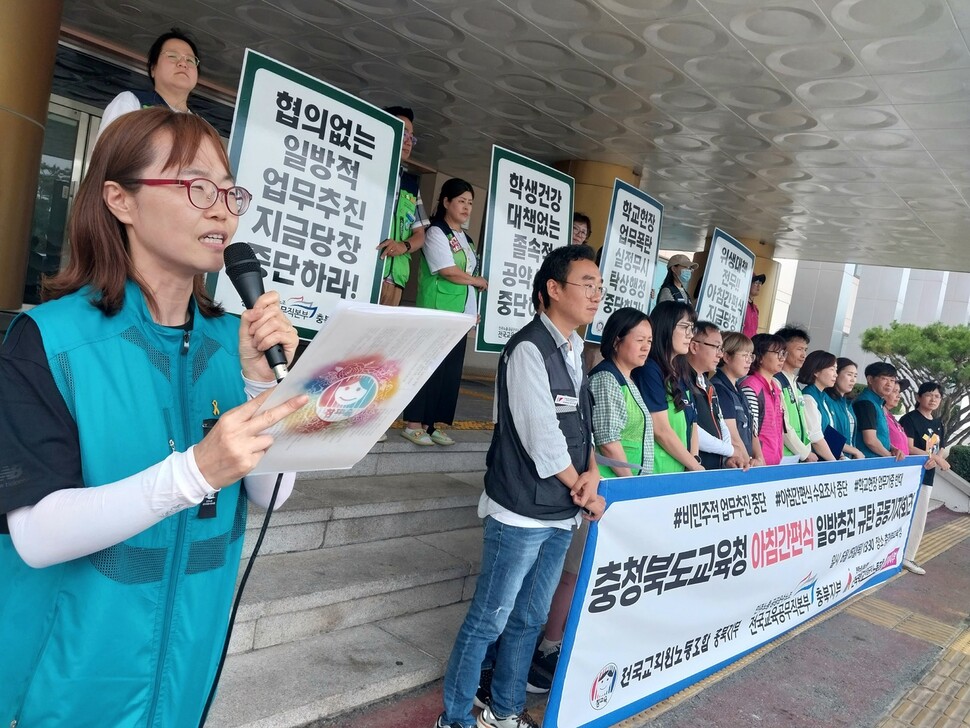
(520, 571)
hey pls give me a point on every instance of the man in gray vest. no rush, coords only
(541, 479)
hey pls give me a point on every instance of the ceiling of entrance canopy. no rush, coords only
(835, 129)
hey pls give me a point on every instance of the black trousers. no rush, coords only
(437, 399)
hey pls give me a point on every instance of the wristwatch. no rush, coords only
(407, 245)
(697, 458)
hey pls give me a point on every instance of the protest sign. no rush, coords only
(629, 254)
(322, 167)
(709, 566)
(530, 212)
(726, 282)
(360, 371)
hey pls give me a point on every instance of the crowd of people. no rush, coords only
(130, 327)
(671, 394)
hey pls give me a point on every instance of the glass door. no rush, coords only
(68, 139)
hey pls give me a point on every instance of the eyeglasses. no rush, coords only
(687, 326)
(746, 355)
(408, 135)
(717, 347)
(204, 193)
(592, 292)
(781, 354)
(178, 58)
(580, 229)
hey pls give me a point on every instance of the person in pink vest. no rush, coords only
(763, 395)
(750, 326)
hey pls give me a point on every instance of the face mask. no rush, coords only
(685, 275)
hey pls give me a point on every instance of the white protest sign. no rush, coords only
(676, 585)
(726, 283)
(360, 371)
(530, 212)
(322, 166)
(629, 256)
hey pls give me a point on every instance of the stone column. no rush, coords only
(28, 45)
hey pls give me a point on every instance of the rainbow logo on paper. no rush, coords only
(344, 394)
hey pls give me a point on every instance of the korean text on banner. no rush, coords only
(530, 212)
(710, 566)
(726, 283)
(629, 254)
(322, 166)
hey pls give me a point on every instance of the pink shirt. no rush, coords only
(750, 327)
(897, 436)
(772, 429)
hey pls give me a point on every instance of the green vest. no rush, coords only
(663, 461)
(436, 291)
(631, 436)
(794, 404)
(398, 268)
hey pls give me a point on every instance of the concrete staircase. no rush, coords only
(360, 585)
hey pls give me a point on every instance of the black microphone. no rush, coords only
(246, 275)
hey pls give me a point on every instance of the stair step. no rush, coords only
(293, 596)
(321, 677)
(323, 513)
(398, 456)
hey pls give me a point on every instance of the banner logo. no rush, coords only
(602, 689)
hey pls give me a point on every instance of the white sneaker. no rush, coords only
(487, 719)
(913, 567)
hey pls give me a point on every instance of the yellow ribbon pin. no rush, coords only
(215, 408)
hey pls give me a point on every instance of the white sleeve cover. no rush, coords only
(259, 488)
(74, 522)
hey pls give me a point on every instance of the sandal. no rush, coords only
(440, 437)
(418, 437)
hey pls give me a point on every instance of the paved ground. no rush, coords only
(897, 656)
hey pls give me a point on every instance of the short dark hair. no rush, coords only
(580, 217)
(880, 369)
(618, 325)
(156, 50)
(927, 387)
(405, 111)
(793, 331)
(706, 327)
(555, 267)
(763, 343)
(815, 362)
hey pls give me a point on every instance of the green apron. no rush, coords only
(631, 436)
(663, 461)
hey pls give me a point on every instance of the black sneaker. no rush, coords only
(542, 670)
(439, 724)
(483, 696)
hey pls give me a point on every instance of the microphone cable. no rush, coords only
(239, 593)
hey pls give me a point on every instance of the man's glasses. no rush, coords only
(178, 58)
(592, 292)
(409, 136)
(204, 193)
(717, 347)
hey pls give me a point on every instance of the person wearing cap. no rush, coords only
(674, 288)
(750, 326)
(872, 432)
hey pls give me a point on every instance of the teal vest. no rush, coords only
(882, 427)
(128, 636)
